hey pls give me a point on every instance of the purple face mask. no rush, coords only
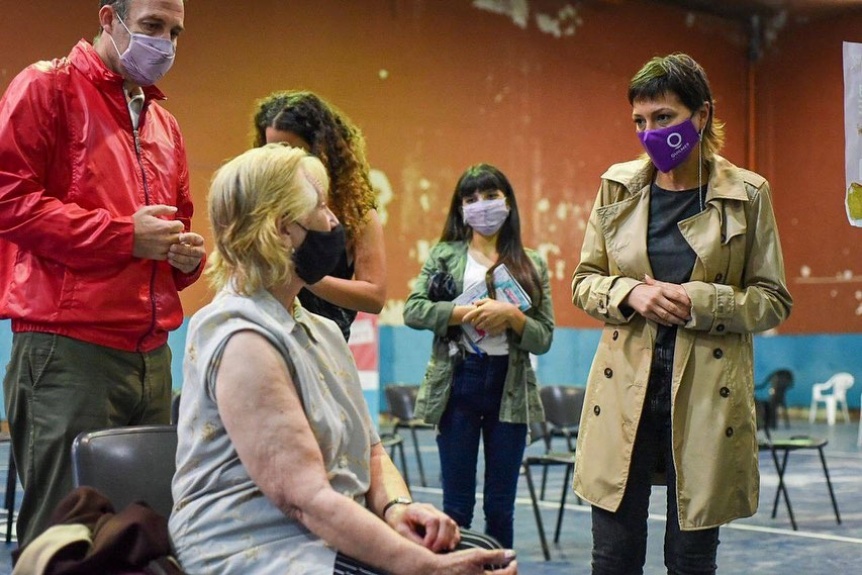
(669, 147)
(486, 216)
(146, 59)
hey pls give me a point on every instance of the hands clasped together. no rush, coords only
(159, 238)
(427, 526)
(661, 302)
(490, 316)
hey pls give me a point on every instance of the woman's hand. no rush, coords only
(492, 317)
(474, 562)
(425, 525)
(661, 302)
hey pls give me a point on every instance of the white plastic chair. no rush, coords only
(833, 394)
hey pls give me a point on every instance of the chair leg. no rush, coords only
(11, 484)
(544, 482)
(829, 485)
(782, 488)
(536, 512)
(812, 411)
(845, 412)
(562, 504)
(418, 457)
(786, 416)
(831, 406)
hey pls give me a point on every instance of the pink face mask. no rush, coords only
(147, 59)
(486, 216)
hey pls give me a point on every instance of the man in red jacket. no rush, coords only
(95, 243)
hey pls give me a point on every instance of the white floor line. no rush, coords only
(737, 526)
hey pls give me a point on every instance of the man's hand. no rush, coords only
(661, 302)
(426, 525)
(186, 255)
(154, 234)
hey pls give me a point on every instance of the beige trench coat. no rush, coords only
(737, 287)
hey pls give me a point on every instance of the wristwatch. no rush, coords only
(397, 501)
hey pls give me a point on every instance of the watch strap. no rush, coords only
(397, 501)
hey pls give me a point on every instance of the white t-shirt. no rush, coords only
(475, 272)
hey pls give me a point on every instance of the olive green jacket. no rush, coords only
(521, 402)
(737, 287)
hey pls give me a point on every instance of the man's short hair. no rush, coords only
(120, 6)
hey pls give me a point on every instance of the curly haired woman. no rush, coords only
(305, 120)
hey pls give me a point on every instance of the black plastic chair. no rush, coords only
(539, 431)
(778, 382)
(402, 400)
(175, 408)
(795, 443)
(563, 405)
(128, 464)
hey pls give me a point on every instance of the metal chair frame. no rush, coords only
(563, 405)
(794, 443)
(402, 400)
(540, 430)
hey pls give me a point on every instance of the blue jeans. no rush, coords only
(620, 538)
(473, 411)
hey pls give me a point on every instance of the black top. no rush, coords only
(670, 256)
(342, 316)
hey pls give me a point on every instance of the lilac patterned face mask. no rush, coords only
(486, 216)
(146, 59)
(669, 147)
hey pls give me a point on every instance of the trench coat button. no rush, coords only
(729, 432)
(597, 410)
(609, 373)
(615, 335)
(717, 353)
(718, 277)
(724, 392)
(719, 328)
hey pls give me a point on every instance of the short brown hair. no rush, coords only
(679, 74)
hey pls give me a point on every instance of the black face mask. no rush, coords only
(319, 253)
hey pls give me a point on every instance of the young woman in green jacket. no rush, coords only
(482, 389)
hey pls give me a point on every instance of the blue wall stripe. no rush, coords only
(404, 353)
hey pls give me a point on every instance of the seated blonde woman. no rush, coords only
(279, 467)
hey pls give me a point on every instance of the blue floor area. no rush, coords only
(758, 545)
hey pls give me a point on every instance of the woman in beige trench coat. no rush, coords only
(681, 261)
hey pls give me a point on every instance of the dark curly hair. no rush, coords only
(334, 139)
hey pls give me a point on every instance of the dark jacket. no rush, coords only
(87, 537)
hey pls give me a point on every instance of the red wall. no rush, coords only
(464, 85)
(800, 101)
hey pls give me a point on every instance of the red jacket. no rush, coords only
(70, 180)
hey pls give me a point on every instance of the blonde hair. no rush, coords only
(251, 198)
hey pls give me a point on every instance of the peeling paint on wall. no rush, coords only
(561, 24)
(383, 189)
(392, 313)
(517, 10)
